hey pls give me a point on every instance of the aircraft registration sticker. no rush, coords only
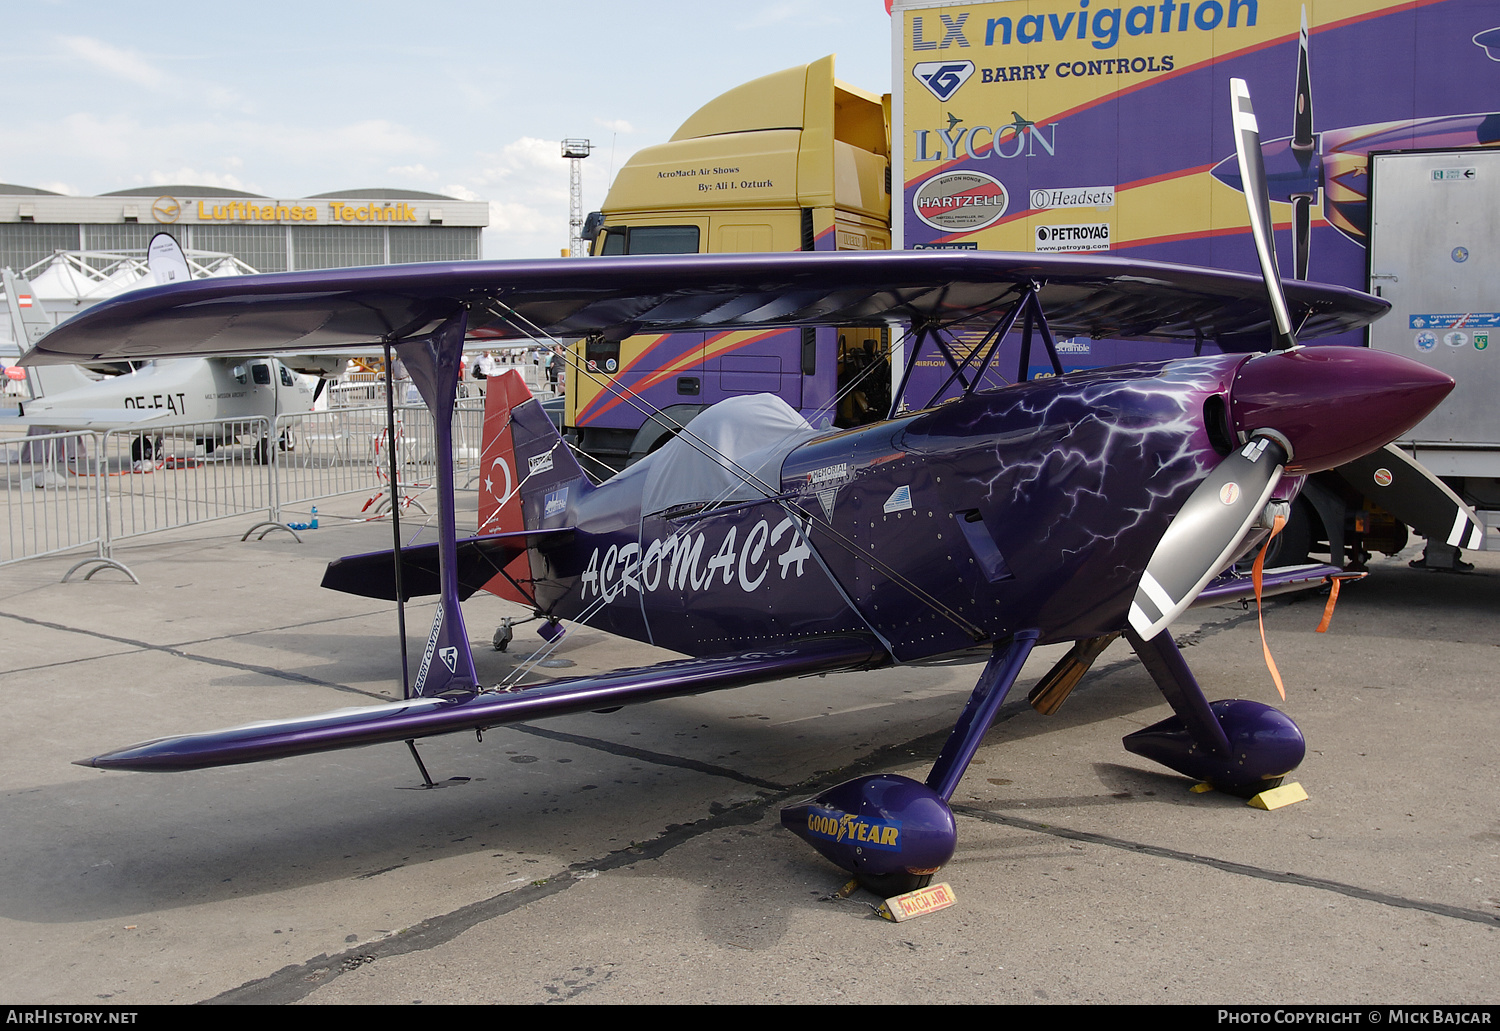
(918, 903)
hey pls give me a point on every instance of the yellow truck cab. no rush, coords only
(795, 160)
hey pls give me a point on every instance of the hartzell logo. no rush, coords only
(960, 202)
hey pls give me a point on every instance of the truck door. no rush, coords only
(1435, 219)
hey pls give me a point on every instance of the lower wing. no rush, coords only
(425, 717)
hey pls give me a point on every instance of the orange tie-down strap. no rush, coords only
(1257, 575)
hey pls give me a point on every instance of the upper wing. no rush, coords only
(310, 311)
(425, 717)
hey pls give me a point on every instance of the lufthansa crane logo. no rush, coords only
(166, 209)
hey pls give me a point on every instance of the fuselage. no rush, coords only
(196, 389)
(935, 532)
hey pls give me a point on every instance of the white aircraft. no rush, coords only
(64, 397)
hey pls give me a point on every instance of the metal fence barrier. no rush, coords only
(72, 491)
(179, 475)
(50, 507)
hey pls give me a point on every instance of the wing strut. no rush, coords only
(390, 436)
(970, 373)
(447, 666)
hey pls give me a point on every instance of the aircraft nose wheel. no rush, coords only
(144, 448)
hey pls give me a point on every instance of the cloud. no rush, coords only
(526, 183)
(193, 177)
(798, 12)
(305, 157)
(527, 160)
(413, 172)
(615, 124)
(528, 220)
(123, 64)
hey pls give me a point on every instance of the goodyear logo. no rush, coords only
(847, 827)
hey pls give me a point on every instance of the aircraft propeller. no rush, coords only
(1304, 145)
(1258, 202)
(1206, 533)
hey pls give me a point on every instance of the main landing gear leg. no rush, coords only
(892, 833)
(1237, 746)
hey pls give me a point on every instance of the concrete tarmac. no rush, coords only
(638, 857)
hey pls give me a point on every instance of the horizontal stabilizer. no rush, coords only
(425, 717)
(480, 560)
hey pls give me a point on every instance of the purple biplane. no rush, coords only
(1077, 508)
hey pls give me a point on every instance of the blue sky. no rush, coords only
(463, 98)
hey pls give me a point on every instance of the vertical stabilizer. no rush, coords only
(530, 475)
(28, 320)
(28, 324)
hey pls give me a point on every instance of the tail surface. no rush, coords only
(29, 322)
(529, 473)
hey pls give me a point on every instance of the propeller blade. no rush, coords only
(1258, 201)
(1302, 117)
(1205, 535)
(1301, 234)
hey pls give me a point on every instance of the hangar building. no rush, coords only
(327, 230)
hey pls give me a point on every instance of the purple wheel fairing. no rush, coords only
(1264, 746)
(877, 826)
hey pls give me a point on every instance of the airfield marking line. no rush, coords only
(273, 629)
(1229, 866)
(247, 667)
(840, 712)
(659, 758)
(297, 981)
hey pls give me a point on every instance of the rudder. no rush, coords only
(529, 474)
